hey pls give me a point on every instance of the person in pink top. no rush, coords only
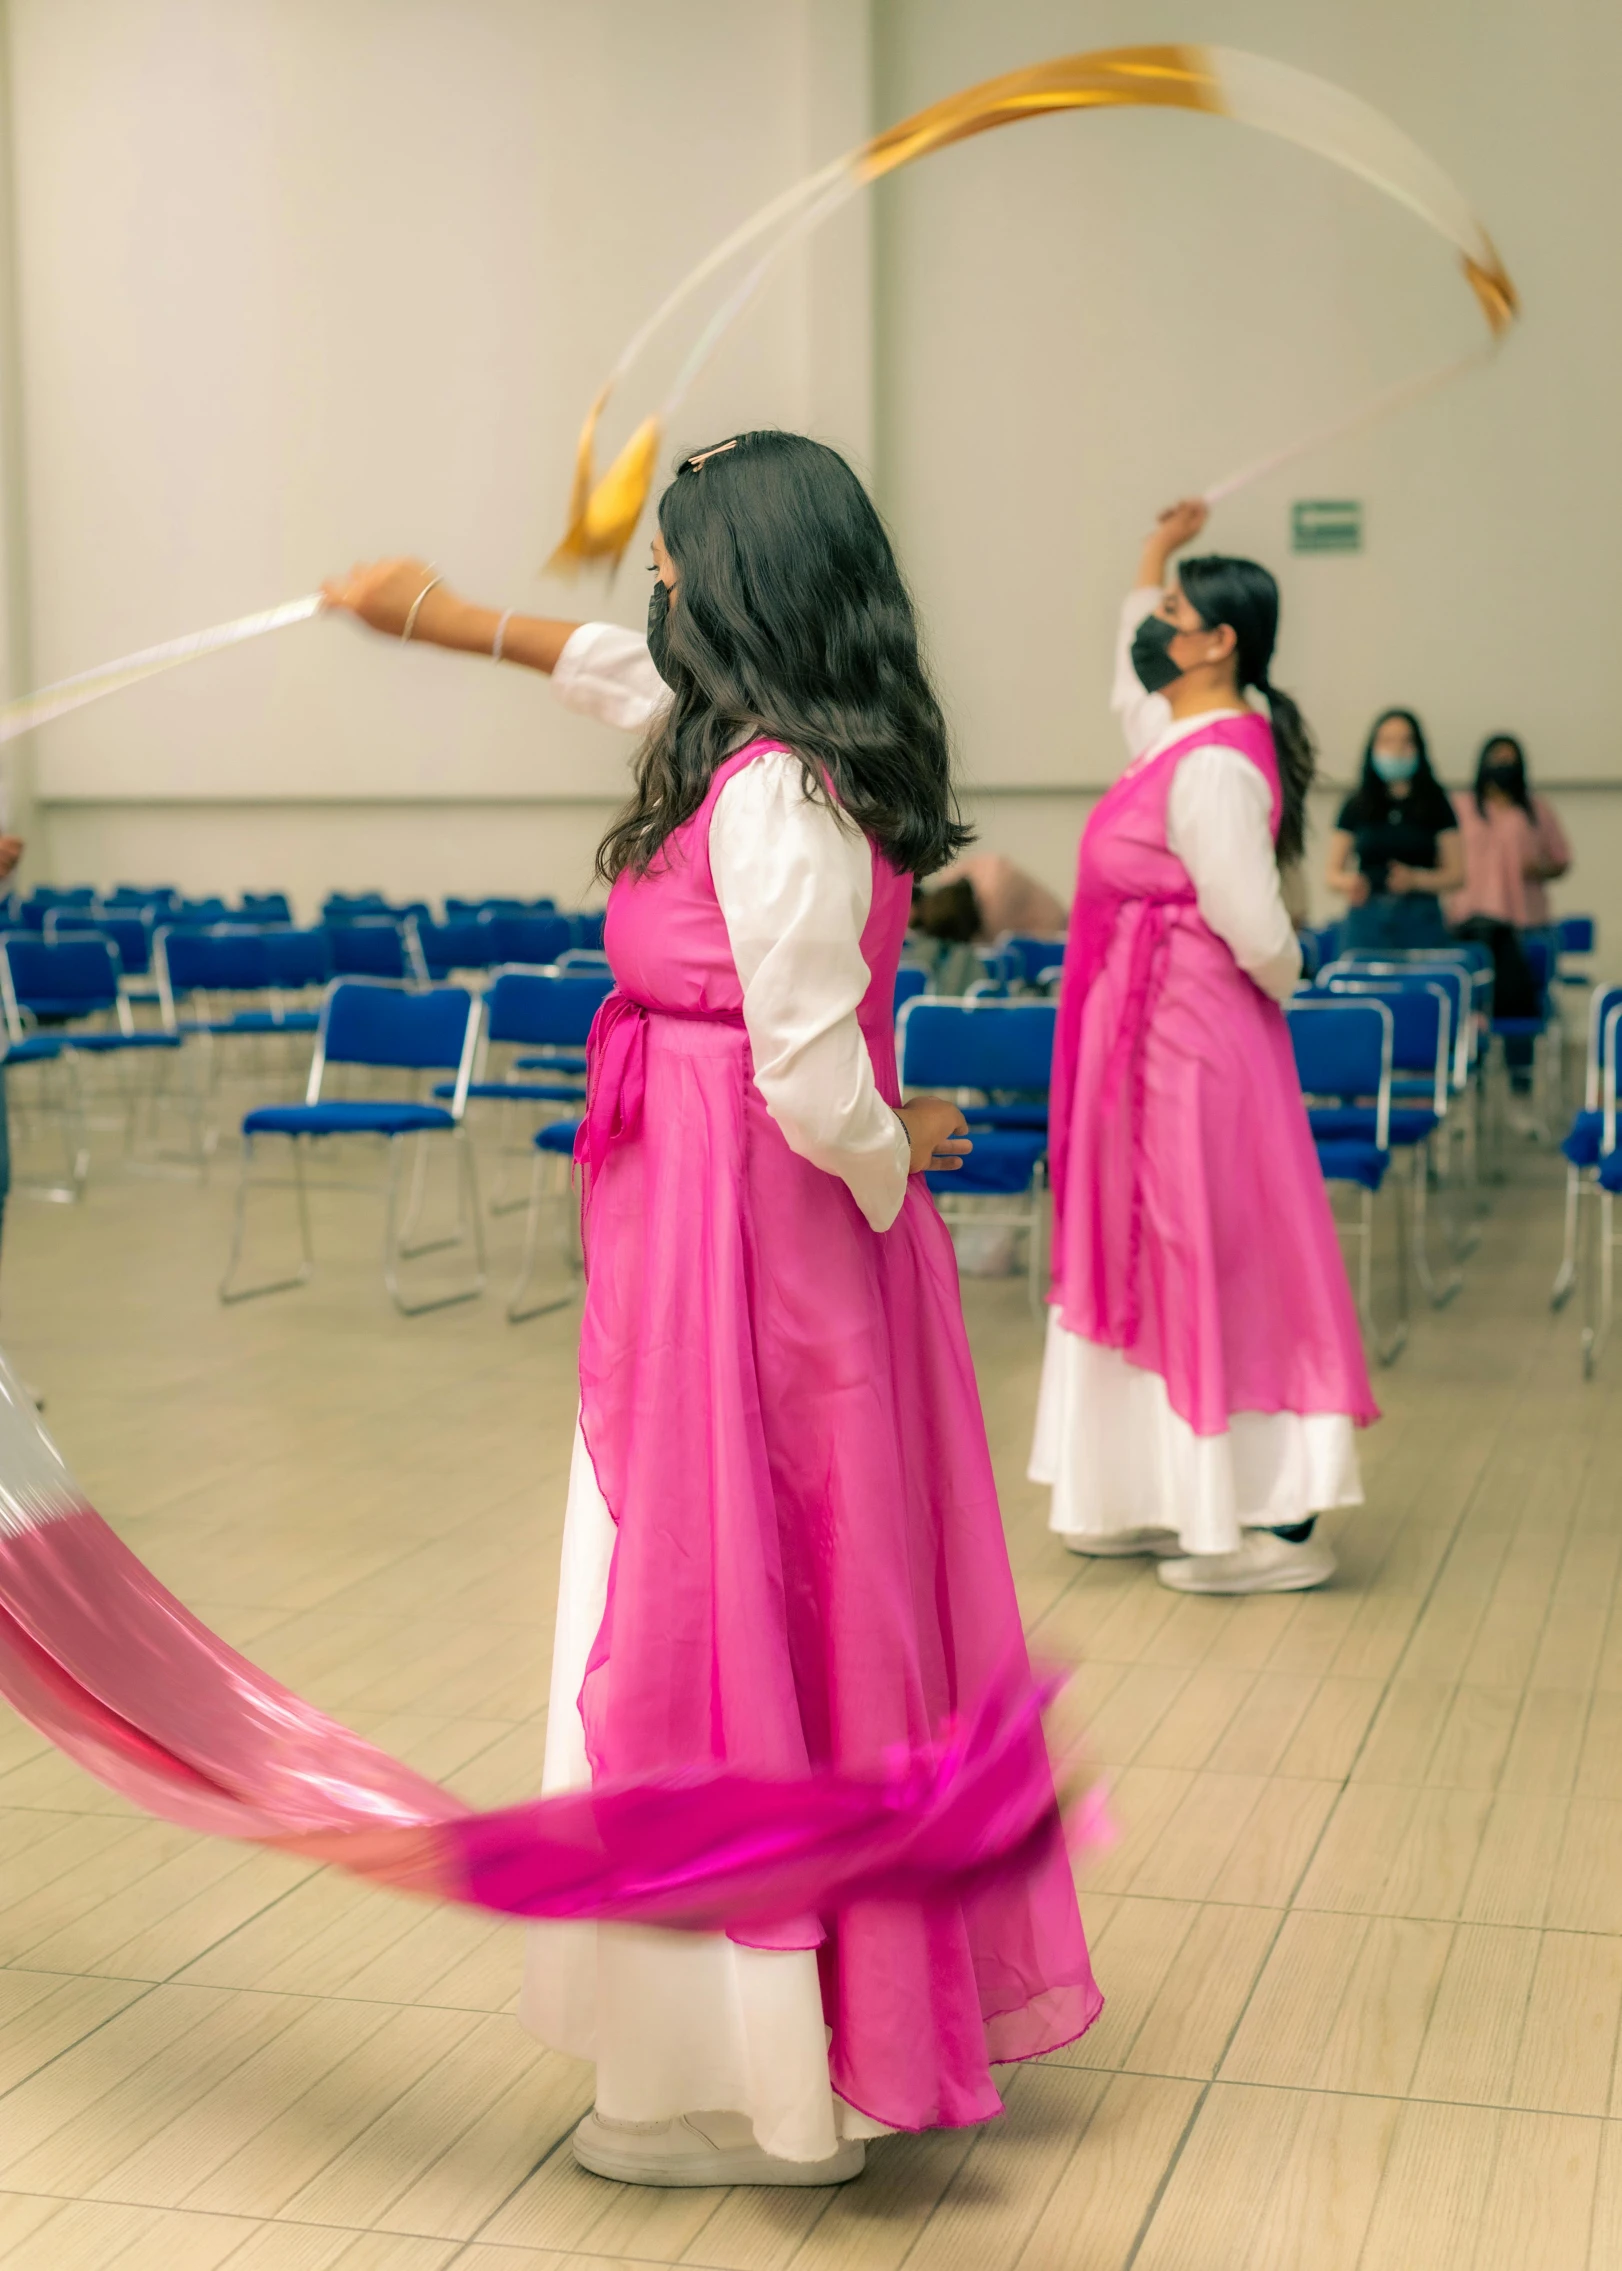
(1514, 845)
(1204, 1371)
(995, 897)
(782, 1547)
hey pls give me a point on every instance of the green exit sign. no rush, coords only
(1326, 524)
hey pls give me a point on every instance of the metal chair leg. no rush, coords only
(518, 1311)
(1438, 1292)
(1597, 1326)
(467, 1222)
(231, 1292)
(1566, 1276)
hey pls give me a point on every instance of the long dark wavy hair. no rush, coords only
(1427, 803)
(790, 618)
(1516, 787)
(1243, 595)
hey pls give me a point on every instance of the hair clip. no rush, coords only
(704, 455)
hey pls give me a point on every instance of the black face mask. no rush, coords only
(659, 626)
(1505, 777)
(1151, 653)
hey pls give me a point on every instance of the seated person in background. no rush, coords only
(1513, 846)
(1002, 898)
(1394, 851)
(1513, 842)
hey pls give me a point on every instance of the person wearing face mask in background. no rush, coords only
(1394, 852)
(1204, 1372)
(1513, 846)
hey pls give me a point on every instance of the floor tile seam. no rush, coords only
(311, 1996)
(1222, 2081)
(986, 2136)
(554, 2145)
(147, 1987)
(1457, 1923)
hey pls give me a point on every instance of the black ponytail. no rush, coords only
(1243, 595)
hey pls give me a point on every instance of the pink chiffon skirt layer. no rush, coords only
(809, 1568)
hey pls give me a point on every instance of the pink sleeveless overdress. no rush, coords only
(808, 1564)
(1192, 1230)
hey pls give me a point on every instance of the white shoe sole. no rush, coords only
(1118, 1545)
(1186, 1576)
(633, 2156)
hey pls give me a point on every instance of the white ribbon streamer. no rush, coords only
(112, 677)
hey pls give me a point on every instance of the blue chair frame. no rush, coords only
(1343, 1053)
(371, 1023)
(980, 1050)
(1422, 1067)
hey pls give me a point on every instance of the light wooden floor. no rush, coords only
(1361, 1935)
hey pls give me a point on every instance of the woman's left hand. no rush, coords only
(1401, 880)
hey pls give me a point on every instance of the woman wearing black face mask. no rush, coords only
(1204, 1372)
(1513, 842)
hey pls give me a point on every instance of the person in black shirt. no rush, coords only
(1395, 849)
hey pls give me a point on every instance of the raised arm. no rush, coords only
(383, 594)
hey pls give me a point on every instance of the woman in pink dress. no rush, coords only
(1204, 1372)
(782, 1546)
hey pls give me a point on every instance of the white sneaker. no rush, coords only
(699, 2149)
(1263, 1563)
(1104, 1545)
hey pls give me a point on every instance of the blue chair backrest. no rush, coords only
(910, 982)
(469, 910)
(266, 907)
(1539, 960)
(351, 906)
(1342, 1045)
(588, 928)
(461, 945)
(1609, 1024)
(200, 911)
(426, 1030)
(130, 936)
(1454, 978)
(1421, 1025)
(532, 939)
(1575, 934)
(141, 895)
(73, 978)
(214, 961)
(370, 947)
(543, 1009)
(1031, 955)
(985, 1044)
(298, 958)
(1601, 1003)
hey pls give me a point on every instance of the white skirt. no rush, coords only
(1119, 1458)
(675, 2022)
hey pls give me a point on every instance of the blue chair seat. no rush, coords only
(33, 1049)
(1033, 1118)
(1582, 1143)
(516, 1091)
(345, 1118)
(1003, 1161)
(104, 1044)
(254, 1021)
(549, 1064)
(1355, 1123)
(1610, 1172)
(1347, 1159)
(558, 1135)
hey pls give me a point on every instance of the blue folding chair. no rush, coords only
(458, 943)
(1584, 1142)
(1599, 1300)
(533, 940)
(399, 1029)
(553, 1147)
(588, 928)
(1343, 1051)
(268, 908)
(299, 959)
(1034, 959)
(219, 986)
(129, 935)
(1422, 1067)
(545, 1011)
(73, 985)
(374, 946)
(996, 1057)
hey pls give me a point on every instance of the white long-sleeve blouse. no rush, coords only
(795, 888)
(1219, 823)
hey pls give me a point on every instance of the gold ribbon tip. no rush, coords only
(603, 514)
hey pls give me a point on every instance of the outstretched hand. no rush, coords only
(1178, 525)
(938, 1132)
(379, 592)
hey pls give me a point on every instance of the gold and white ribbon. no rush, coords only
(1219, 81)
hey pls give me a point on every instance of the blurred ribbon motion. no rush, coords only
(1222, 82)
(99, 1657)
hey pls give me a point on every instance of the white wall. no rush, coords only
(1082, 317)
(301, 284)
